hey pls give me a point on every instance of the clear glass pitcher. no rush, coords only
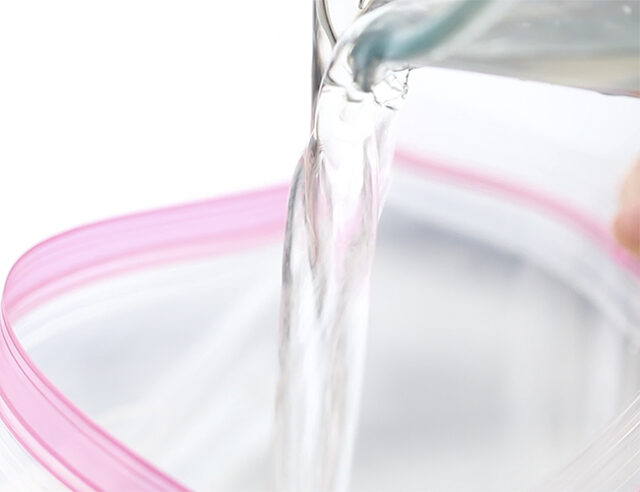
(592, 44)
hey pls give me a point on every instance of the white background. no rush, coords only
(113, 107)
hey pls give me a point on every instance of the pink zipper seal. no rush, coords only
(57, 434)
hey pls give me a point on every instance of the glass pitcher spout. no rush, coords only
(591, 44)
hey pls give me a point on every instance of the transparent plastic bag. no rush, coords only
(140, 353)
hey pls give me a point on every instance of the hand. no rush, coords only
(626, 225)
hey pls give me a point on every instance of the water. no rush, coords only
(339, 188)
(336, 198)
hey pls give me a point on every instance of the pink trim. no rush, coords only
(560, 209)
(56, 433)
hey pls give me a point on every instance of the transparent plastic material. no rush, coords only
(493, 360)
(140, 353)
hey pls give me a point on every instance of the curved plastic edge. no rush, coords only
(57, 434)
(561, 210)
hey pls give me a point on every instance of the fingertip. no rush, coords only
(630, 191)
(626, 227)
